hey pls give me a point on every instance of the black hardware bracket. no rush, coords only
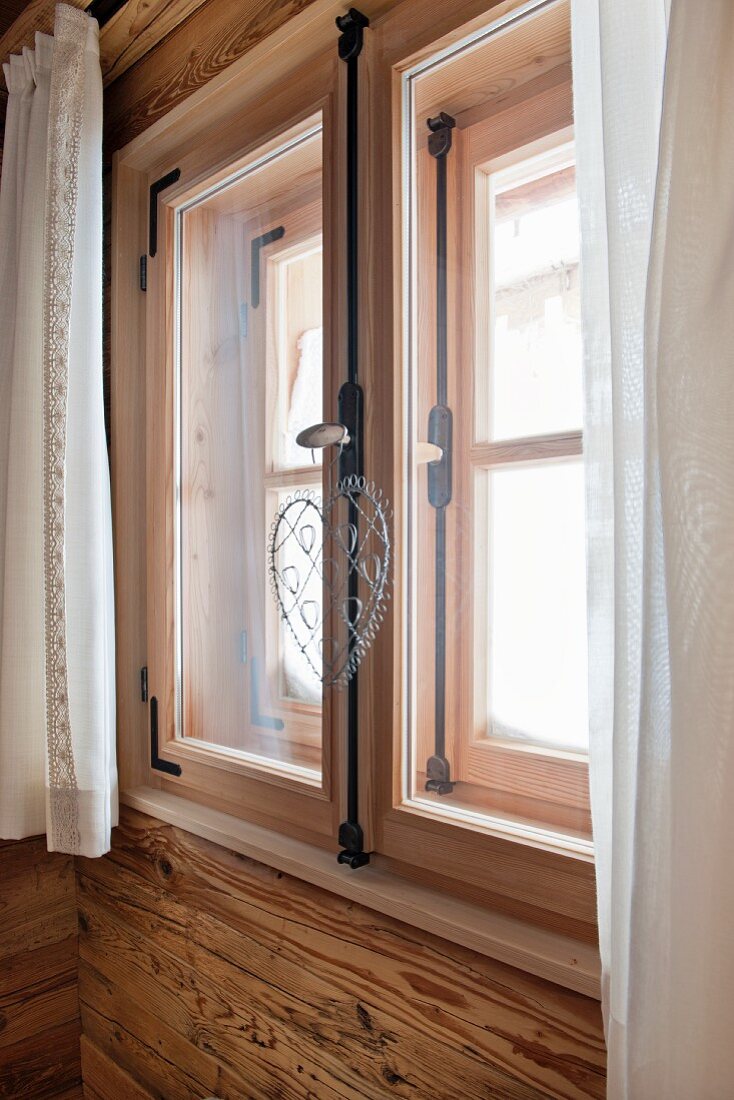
(440, 432)
(351, 415)
(144, 684)
(103, 10)
(155, 190)
(256, 245)
(156, 761)
(351, 40)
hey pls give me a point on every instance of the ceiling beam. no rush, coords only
(131, 33)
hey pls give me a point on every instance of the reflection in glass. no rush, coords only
(536, 354)
(250, 376)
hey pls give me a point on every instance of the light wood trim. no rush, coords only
(128, 467)
(547, 954)
(530, 449)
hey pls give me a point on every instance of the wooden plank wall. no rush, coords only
(204, 973)
(39, 1005)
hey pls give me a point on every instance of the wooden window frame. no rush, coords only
(256, 121)
(509, 862)
(531, 781)
(510, 868)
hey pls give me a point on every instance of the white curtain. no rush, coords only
(57, 719)
(655, 149)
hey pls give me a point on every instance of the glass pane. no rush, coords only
(536, 587)
(535, 358)
(250, 377)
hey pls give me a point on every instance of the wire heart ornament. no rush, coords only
(312, 551)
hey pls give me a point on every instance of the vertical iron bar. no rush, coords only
(352, 25)
(438, 769)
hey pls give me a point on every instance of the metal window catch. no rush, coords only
(440, 433)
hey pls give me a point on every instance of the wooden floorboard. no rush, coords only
(39, 1004)
(204, 972)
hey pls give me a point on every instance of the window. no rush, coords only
(470, 362)
(240, 362)
(499, 672)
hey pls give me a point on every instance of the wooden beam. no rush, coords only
(204, 45)
(137, 28)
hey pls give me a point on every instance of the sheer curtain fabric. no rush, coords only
(655, 149)
(57, 759)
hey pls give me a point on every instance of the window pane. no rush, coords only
(535, 357)
(250, 377)
(536, 587)
(297, 679)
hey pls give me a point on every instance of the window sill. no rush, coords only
(546, 954)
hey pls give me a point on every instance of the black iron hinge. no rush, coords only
(156, 761)
(257, 244)
(143, 272)
(155, 190)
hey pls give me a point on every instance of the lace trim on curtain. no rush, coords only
(64, 137)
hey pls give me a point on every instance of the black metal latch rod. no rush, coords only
(440, 432)
(351, 25)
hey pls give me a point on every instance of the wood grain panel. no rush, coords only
(103, 1078)
(198, 959)
(211, 39)
(36, 16)
(130, 34)
(39, 1006)
(137, 28)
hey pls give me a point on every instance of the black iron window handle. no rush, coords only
(351, 25)
(440, 433)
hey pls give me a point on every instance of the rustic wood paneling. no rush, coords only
(211, 39)
(203, 972)
(39, 1005)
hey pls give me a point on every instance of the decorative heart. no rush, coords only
(332, 634)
